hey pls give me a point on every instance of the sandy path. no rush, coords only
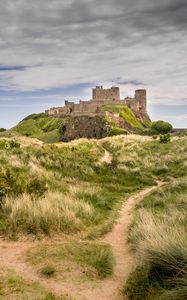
(118, 239)
(12, 255)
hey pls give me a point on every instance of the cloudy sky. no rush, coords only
(52, 50)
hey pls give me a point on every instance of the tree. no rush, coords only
(161, 127)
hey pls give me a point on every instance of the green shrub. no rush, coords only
(14, 144)
(36, 186)
(161, 127)
(149, 132)
(4, 186)
(48, 271)
(117, 131)
(3, 145)
(2, 129)
(12, 182)
(165, 138)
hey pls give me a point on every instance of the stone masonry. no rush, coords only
(87, 119)
(101, 97)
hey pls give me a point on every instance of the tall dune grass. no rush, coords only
(147, 155)
(159, 237)
(54, 212)
(33, 172)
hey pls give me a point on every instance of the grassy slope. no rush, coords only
(84, 194)
(49, 189)
(126, 113)
(40, 126)
(46, 128)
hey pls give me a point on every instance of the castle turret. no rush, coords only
(141, 96)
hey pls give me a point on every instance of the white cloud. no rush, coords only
(73, 42)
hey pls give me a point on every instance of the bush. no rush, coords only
(48, 271)
(161, 127)
(154, 137)
(14, 144)
(36, 186)
(3, 145)
(117, 131)
(4, 186)
(165, 138)
(2, 129)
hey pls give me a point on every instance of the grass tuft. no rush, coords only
(48, 271)
(88, 259)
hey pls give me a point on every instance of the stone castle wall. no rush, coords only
(102, 97)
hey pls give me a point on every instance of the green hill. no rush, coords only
(40, 126)
(50, 129)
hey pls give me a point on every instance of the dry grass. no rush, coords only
(54, 212)
(158, 236)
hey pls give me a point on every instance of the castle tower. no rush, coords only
(141, 96)
(112, 94)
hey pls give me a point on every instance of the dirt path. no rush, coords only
(12, 256)
(117, 238)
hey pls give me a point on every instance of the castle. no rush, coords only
(101, 97)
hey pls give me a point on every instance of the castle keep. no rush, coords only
(101, 97)
(93, 118)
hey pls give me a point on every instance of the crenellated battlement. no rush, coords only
(101, 97)
(99, 93)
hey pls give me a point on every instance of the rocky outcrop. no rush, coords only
(84, 127)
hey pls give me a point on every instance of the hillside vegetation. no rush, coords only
(68, 194)
(40, 126)
(61, 188)
(48, 129)
(127, 115)
(64, 187)
(159, 237)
